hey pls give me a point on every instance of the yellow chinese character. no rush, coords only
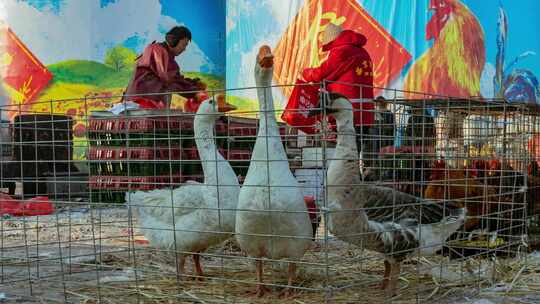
(320, 22)
(25, 88)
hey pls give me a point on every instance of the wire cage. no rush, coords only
(75, 230)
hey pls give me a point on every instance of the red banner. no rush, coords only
(300, 46)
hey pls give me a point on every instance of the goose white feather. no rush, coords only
(199, 214)
(272, 220)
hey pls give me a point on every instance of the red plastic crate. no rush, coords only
(141, 124)
(115, 153)
(165, 153)
(160, 153)
(221, 128)
(193, 153)
(105, 153)
(104, 182)
(235, 126)
(239, 155)
(143, 183)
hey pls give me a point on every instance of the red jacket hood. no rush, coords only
(347, 37)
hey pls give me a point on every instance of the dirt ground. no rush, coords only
(82, 255)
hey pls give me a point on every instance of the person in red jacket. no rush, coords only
(156, 70)
(348, 70)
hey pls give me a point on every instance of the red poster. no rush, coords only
(299, 47)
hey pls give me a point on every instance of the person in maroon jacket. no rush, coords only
(348, 70)
(156, 70)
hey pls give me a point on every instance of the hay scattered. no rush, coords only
(124, 269)
(340, 274)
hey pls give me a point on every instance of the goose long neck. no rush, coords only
(206, 145)
(344, 183)
(267, 122)
(346, 138)
(345, 161)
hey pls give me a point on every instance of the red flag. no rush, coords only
(23, 74)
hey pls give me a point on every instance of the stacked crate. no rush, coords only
(151, 149)
(138, 150)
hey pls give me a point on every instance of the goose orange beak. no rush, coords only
(224, 106)
(265, 57)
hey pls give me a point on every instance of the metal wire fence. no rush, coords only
(104, 207)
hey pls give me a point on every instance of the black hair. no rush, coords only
(381, 101)
(176, 34)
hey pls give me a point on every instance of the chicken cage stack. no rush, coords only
(42, 150)
(405, 165)
(533, 172)
(473, 154)
(151, 149)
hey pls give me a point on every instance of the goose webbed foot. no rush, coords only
(197, 269)
(386, 278)
(393, 282)
(288, 292)
(261, 290)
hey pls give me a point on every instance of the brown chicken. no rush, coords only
(461, 188)
(512, 182)
(509, 181)
(479, 168)
(516, 193)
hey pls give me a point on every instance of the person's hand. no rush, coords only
(201, 96)
(302, 76)
(200, 85)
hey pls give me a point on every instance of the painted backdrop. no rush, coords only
(71, 49)
(446, 47)
(59, 49)
(54, 49)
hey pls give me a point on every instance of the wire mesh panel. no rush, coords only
(143, 205)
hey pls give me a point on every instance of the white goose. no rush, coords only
(378, 218)
(272, 219)
(201, 215)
